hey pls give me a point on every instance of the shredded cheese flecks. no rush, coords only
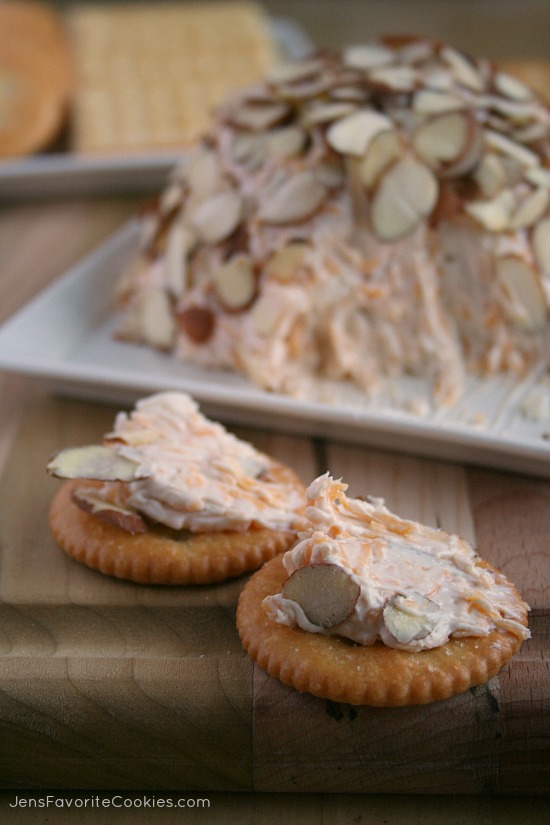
(198, 476)
(389, 557)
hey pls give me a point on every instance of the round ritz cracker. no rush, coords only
(129, 546)
(335, 668)
(36, 76)
(161, 556)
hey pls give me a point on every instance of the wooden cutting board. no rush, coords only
(106, 684)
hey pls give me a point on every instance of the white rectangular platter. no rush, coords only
(64, 337)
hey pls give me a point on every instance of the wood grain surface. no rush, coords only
(118, 685)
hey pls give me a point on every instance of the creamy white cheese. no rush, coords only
(197, 475)
(386, 555)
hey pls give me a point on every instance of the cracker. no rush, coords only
(160, 555)
(149, 75)
(332, 668)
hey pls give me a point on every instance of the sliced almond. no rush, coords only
(349, 94)
(285, 262)
(235, 283)
(264, 321)
(531, 209)
(94, 461)
(258, 116)
(410, 617)
(299, 93)
(352, 134)
(181, 242)
(295, 200)
(511, 86)
(248, 148)
(490, 175)
(198, 323)
(217, 217)
(538, 176)
(526, 305)
(532, 132)
(368, 55)
(514, 111)
(128, 520)
(394, 78)
(155, 318)
(292, 71)
(417, 51)
(286, 143)
(326, 112)
(204, 174)
(464, 70)
(541, 245)
(450, 143)
(172, 198)
(406, 194)
(439, 79)
(428, 102)
(382, 151)
(493, 214)
(501, 143)
(326, 593)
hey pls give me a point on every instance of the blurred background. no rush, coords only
(496, 28)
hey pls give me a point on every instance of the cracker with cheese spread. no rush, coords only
(369, 608)
(171, 497)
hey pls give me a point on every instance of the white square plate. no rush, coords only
(64, 336)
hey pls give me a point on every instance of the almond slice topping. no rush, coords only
(382, 151)
(493, 214)
(538, 176)
(511, 87)
(463, 69)
(326, 112)
(501, 143)
(286, 143)
(96, 462)
(449, 142)
(128, 520)
(285, 262)
(295, 200)
(531, 209)
(526, 305)
(368, 55)
(490, 175)
(204, 174)
(394, 78)
(406, 194)
(180, 243)
(326, 593)
(352, 134)
(258, 116)
(294, 71)
(154, 317)
(235, 283)
(541, 245)
(217, 217)
(428, 102)
(410, 617)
